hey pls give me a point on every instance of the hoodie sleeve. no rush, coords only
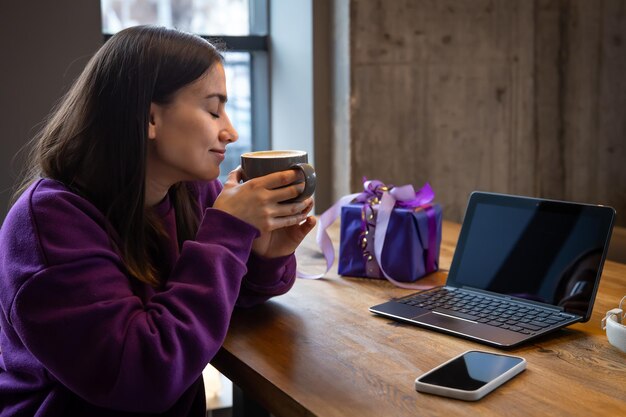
(265, 277)
(77, 314)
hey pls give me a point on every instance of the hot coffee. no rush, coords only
(273, 154)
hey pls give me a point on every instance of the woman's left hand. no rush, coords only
(284, 241)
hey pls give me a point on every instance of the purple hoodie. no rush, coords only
(78, 337)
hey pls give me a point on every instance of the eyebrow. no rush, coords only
(221, 97)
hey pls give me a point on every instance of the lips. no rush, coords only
(219, 153)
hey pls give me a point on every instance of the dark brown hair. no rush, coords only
(95, 140)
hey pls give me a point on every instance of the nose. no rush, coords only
(229, 133)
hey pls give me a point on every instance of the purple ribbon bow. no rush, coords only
(405, 195)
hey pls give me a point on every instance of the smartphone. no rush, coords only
(471, 375)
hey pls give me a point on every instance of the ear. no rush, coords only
(153, 118)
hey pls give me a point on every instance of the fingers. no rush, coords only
(285, 215)
(293, 209)
(234, 176)
(308, 225)
(280, 179)
(273, 223)
(299, 230)
(309, 202)
(287, 193)
(278, 185)
(288, 221)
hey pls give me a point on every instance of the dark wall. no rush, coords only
(45, 45)
(513, 96)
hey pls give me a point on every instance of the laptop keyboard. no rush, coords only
(488, 310)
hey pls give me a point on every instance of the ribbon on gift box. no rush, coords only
(378, 195)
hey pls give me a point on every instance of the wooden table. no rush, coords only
(318, 351)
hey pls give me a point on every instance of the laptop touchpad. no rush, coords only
(468, 328)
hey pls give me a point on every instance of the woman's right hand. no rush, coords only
(257, 201)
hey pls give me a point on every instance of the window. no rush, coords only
(239, 24)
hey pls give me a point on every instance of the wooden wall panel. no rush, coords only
(611, 108)
(522, 97)
(549, 52)
(581, 63)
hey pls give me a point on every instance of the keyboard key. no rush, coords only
(529, 326)
(456, 314)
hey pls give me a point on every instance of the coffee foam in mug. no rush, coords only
(272, 154)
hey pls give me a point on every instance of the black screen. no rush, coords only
(470, 371)
(544, 251)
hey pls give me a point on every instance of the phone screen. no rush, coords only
(471, 371)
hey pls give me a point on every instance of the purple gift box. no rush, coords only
(411, 244)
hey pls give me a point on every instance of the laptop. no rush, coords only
(523, 267)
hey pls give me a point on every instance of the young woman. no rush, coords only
(123, 257)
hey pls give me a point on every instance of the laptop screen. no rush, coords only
(545, 251)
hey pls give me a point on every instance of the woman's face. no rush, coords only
(188, 136)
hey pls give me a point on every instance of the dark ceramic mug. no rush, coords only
(258, 164)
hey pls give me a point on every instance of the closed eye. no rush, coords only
(215, 115)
